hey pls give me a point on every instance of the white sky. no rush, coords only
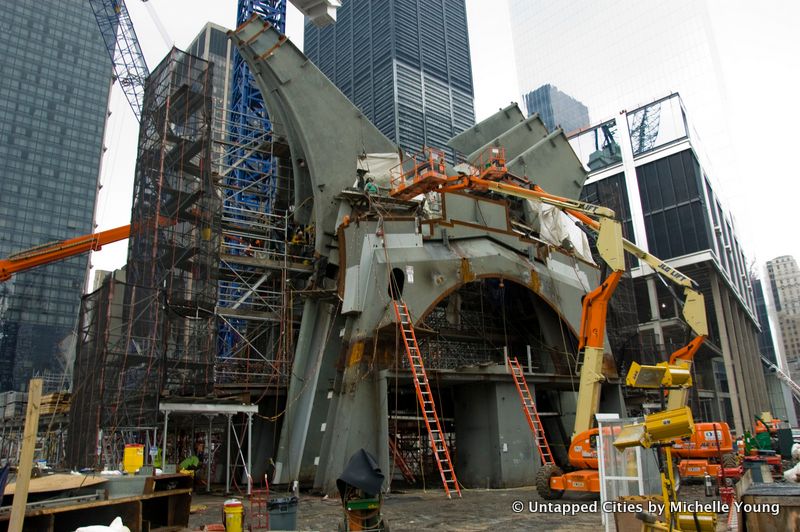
(757, 42)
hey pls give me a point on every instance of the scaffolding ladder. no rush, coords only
(531, 414)
(783, 376)
(435, 433)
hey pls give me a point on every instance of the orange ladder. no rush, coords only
(531, 414)
(425, 398)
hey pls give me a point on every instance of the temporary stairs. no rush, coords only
(435, 433)
(531, 414)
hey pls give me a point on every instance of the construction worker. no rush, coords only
(370, 187)
(298, 239)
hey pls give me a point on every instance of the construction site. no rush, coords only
(316, 328)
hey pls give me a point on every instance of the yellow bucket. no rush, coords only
(133, 458)
(233, 511)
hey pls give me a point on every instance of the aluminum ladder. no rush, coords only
(531, 414)
(435, 433)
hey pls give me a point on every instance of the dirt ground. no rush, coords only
(477, 510)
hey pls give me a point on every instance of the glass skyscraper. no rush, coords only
(53, 101)
(557, 109)
(622, 54)
(404, 63)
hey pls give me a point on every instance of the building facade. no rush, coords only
(783, 276)
(405, 64)
(614, 56)
(646, 164)
(781, 397)
(557, 109)
(53, 103)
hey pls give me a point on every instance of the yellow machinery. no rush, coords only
(658, 431)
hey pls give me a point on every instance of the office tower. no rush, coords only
(784, 287)
(53, 102)
(557, 109)
(405, 64)
(619, 55)
(780, 395)
(212, 45)
(645, 164)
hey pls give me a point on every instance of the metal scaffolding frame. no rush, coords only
(151, 333)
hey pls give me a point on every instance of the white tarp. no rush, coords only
(559, 229)
(378, 167)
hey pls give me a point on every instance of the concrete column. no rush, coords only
(495, 444)
(352, 424)
(298, 399)
(742, 383)
(754, 359)
(383, 423)
(726, 353)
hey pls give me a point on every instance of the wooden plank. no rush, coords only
(26, 458)
(58, 482)
(107, 502)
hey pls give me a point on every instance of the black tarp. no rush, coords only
(362, 472)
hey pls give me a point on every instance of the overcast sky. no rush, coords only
(757, 43)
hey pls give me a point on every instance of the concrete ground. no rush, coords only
(477, 510)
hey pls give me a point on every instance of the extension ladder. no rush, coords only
(531, 414)
(435, 434)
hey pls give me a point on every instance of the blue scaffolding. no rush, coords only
(251, 185)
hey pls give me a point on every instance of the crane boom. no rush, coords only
(55, 251)
(783, 376)
(119, 36)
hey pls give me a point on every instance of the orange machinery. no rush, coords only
(706, 451)
(64, 249)
(55, 251)
(491, 175)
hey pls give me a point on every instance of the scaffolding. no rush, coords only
(264, 258)
(150, 333)
(253, 343)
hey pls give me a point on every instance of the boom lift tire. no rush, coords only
(543, 477)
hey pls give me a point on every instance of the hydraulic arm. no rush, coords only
(55, 251)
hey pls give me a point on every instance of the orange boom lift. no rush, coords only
(426, 172)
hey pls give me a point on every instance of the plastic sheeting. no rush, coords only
(558, 229)
(378, 166)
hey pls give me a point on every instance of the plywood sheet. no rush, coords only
(58, 482)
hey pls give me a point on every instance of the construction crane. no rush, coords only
(429, 174)
(63, 249)
(119, 36)
(56, 251)
(783, 376)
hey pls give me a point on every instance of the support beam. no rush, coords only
(209, 457)
(164, 446)
(228, 456)
(730, 371)
(249, 453)
(26, 459)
